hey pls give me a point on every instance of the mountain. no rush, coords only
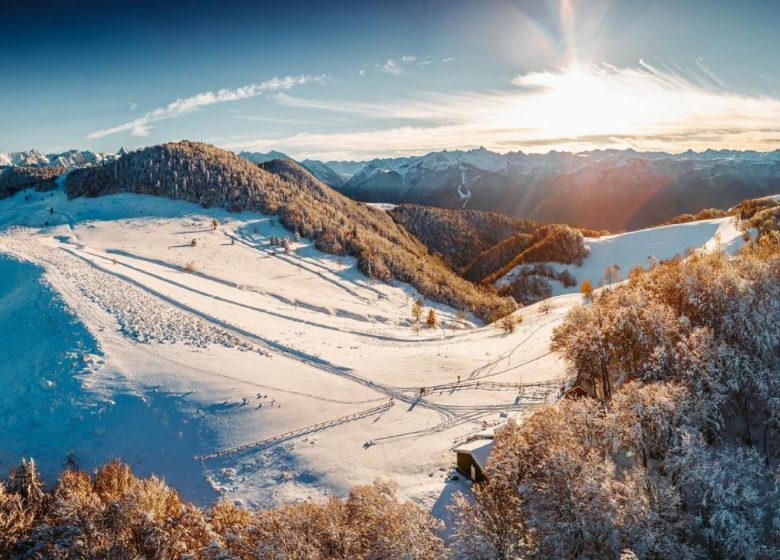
(69, 159)
(258, 157)
(32, 157)
(484, 247)
(325, 173)
(457, 235)
(213, 177)
(603, 189)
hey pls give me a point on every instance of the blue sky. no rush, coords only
(364, 79)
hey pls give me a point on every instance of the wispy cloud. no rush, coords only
(390, 66)
(140, 126)
(278, 120)
(133, 106)
(647, 107)
(400, 67)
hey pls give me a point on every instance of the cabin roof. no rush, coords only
(479, 449)
(582, 386)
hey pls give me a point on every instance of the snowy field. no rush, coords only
(642, 247)
(112, 349)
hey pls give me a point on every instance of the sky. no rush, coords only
(357, 80)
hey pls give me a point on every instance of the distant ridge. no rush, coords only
(603, 189)
(69, 159)
(258, 157)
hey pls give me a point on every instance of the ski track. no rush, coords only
(249, 339)
(115, 264)
(139, 316)
(228, 301)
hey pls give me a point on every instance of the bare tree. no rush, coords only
(612, 274)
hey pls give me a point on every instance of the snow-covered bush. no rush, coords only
(678, 455)
(116, 515)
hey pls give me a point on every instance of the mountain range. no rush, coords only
(604, 189)
(68, 159)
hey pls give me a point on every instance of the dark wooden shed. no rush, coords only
(472, 458)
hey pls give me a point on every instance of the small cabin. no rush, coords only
(579, 390)
(472, 458)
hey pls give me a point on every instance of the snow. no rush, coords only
(69, 159)
(125, 354)
(382, 205)
(156, 365)
(639, 248)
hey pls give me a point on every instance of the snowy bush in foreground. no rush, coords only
(116, 515)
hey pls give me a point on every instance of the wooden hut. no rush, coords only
(472, 458)
(581, 389)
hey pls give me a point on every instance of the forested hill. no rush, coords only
(458, 235)
(213, 177)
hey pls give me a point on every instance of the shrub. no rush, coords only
(116, 515)
(587, 290)
(509, 323)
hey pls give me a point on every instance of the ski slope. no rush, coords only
(262, 376)
(253, 343)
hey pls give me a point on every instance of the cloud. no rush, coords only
(398, 67)
(183, 106)
(133, 106)
(390, 66)
(645, 107)
(362, 73)
(275, 120)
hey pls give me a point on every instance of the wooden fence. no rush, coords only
(268, 442)
(520, 387)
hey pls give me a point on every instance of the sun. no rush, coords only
(579, 102)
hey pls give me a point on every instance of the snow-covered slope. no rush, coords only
(642, 248)
(255, 342)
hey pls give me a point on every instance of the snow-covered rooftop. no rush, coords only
(479, 449)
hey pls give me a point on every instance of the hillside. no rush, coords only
(15, 179)
(458, 235)
(484, 246)
(256, 341)
(134, 310)
(213, 177)
(604, 189)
